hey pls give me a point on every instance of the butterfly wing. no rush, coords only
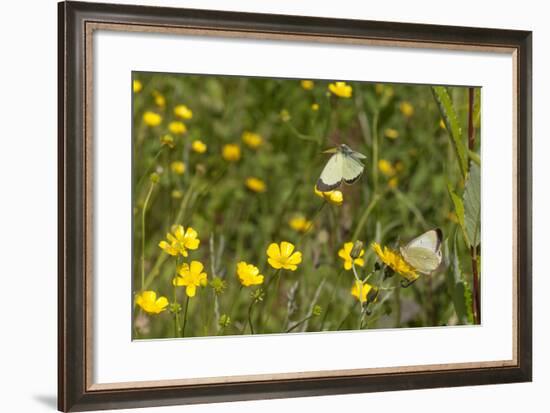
(351, 169)
(424, 251)
(332, 174)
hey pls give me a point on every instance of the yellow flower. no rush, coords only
(386, 167)
(231, 152)
(167, 140)
(177, 127)
(198, 146)
(252, 140)
(395, 261)
(137, 86)
(406, 108)
(307, 84)
(178, 167)
(391, 133)
(160, 101)
(191, 277)
(177, 194)
(442, 124)
(345, 254)
(152, 118)
(360, 290)
(255, 184)
(334, 197)
(180, 241)
(393, 182)
(282, 256)
(149, 302)
(315, 107)
(340, 89)
(249, 274)
(183, 112)
(299, 223)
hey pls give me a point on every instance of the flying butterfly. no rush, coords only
(424, 251)
(344, 166)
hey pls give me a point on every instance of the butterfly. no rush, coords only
(344, 166)
(424, 251)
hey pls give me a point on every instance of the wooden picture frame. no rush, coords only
(77, 21)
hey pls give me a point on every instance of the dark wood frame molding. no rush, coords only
(76, 392)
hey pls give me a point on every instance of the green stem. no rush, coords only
(375, 151)
(145, 203)
(302, 321)
(185, 316)
(363, 219)
(329, 305)
(250, 316)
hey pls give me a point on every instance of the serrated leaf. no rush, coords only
(450, 117)
(459, 211)
(472, 206)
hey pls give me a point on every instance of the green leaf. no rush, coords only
(472, 206)
(450, 117)
(459, 211)
(477, 107)
(458, 288)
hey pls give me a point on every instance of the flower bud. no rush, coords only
(155, 178)
(356, 250)
(317, 310)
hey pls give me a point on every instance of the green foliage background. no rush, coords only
(431, 168)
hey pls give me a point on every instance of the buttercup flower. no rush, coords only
(152, 118)
(361, 290)
(191, 277)
(315, 107)
(395, 261)
(249, 274)
(177, 127)
(178, 167)
(393, 182)
(406, 108)
(299, 223)
(340, 89)
(198, 146)
(391, 133)
(345, 254)
(137, 86)
(167, 140)
(255, 184)
(307, 84)
(160, 100)
(149, 302)
(231, 152)
(334, 197)
(386, 167)
(180, 241)
(282, 256)
(252, 140)
(183, 112)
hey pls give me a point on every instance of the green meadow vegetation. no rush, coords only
(231, 237)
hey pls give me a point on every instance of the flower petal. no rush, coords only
(273, 251)
(178, 231)
(286, 249)
(196, 268)
(295, 258)
(360, 262)
(191, 290)
(274, 263)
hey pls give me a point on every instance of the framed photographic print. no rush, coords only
(260, 206)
